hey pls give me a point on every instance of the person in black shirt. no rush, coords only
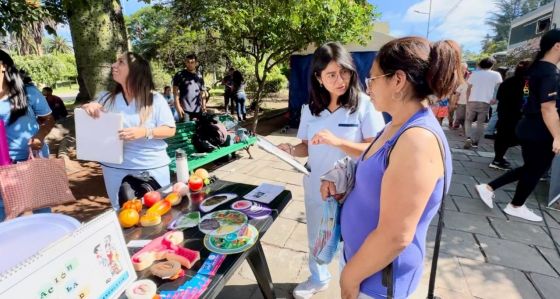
(189, 90)
(229, 95)
(510, 101)
(538, 131)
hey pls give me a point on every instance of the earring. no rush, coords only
(399, 97)
(321, 84)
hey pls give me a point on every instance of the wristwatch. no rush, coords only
(149, 133)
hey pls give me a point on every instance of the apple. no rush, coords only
(151, 198)
(202, 173)
(195, 183)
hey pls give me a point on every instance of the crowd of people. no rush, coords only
(403, 167)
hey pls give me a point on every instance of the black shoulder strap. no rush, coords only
(387, 274)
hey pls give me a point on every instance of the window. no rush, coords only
(543, 25)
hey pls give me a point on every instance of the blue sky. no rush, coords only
(460, 20)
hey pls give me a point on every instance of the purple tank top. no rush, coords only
(360, 213)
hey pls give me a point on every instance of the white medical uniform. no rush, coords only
(364, 123)
(141, 154)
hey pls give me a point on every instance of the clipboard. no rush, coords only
(272, 149)
(91, 262)
(97, 139)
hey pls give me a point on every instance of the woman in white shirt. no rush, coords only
(340, 115)
(147, 121)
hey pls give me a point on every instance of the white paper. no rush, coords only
(138, 243)
(272, 149)
(264, 193)
(97, 139)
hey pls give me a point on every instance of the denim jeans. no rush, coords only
(491, 127)
(240, 105)
(554, 191)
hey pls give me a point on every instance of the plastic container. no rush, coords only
(182, 166)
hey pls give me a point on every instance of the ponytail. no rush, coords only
(444, 74)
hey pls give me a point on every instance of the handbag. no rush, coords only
(136, 185)
(328, 238)
(33, 184)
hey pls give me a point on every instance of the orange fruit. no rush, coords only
(135, 204)
(173, 198)
(128, 217)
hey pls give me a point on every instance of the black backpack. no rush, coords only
(209, 134)
(135, 186)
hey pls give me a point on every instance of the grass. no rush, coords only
(66, 89)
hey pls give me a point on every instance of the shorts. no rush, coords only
(440, 111)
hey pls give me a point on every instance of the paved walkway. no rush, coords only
(484, 253)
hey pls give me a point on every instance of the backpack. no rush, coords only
(209, 134)
(135, 186)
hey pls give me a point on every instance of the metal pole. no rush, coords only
(429, 15)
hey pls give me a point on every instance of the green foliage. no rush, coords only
(57, 45)
(161, 76)
(155, 33)
(17, 14)
(48, 69)
(275, 79)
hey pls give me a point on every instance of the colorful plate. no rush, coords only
(241, 205)
(221, 223)
(215, 200)
(233, 243)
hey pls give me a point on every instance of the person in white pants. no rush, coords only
(337, 107)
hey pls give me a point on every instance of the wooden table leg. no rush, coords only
(257, 262)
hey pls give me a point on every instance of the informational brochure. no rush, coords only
(265, 193)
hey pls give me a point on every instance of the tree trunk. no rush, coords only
(258, 96)
(98, 34)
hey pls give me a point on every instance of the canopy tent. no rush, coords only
(300, 72)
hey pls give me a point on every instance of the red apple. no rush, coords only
(195, 183)
(151, 198)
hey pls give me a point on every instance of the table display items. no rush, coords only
(141, 289)
(233, 243)
(214, 201)
(221, 223)
(254, 210)
(170, 270)
(129, 215)
(184, 221)
(165, 247)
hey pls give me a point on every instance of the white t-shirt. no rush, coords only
(142, 153)
(364, 123)
(483, 83)
(462, 91)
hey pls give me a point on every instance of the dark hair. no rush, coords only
(166, 87)
(140, 83)
(47, 88)
(548, 40)
(522, 67)
(191, 56)
(17, 95)
(320, 97)
(431, 68)
(486, 63)
(237, 77)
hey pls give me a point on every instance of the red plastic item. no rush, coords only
(165, 247)
(159, 208)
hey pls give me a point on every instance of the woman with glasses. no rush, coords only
(399, 180)
(343, 117)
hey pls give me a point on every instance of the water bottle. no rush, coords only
(181, 166)
(4, 150)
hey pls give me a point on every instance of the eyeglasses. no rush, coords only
(371, 79)
(344, 74)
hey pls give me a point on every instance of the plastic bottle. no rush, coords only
(182, 166)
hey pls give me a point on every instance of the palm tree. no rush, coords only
(57, 45)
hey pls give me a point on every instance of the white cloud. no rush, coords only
(460, 20)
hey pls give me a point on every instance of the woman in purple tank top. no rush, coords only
(400, 176)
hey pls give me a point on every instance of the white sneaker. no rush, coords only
(307, 289)
(522, 212)
(485, 194)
